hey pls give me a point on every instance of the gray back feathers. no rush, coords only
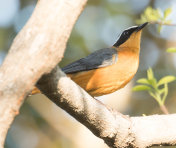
(100, 58)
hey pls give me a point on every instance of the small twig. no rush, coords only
(161, 23)
(164, 109)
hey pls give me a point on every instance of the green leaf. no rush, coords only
(158, 13)
(148, 11)
(166, 79)
(171, 49)
(143, 81)
(159, 28)
(167, 21)
(141, 88)
(153, 82)
(150, 74)
(167, 12)
(152, 14)
(151, 79)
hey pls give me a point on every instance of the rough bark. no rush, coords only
(36, 50)
(115, 129)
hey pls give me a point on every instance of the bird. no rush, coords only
(109, 69)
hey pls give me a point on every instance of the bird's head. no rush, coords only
(130, 38)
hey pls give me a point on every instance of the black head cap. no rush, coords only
(127, 33)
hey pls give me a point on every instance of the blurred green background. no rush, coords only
(41, 124)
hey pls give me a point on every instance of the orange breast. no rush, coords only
(111, 78)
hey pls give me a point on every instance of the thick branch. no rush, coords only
(116, 129)
(36, 50)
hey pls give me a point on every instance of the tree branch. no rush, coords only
(115, 129)
(36, 50)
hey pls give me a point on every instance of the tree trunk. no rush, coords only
(36, 50)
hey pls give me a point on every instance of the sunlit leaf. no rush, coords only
(143, 18)
(141, 88)
(153, 82)
(158, 13)
(159, 28)
(152, 18)
(166, 79)
(172, 49)
(150, 74)
(143, 81)
(167, 21)
(148, 11)
(152, 14)
(167, 12)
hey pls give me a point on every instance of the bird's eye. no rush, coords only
(125, 33)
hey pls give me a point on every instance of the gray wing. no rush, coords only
(99, 58)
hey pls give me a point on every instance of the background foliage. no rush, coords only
(41, 123)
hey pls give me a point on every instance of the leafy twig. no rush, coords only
(156, 16)
(157, 89)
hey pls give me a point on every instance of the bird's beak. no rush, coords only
(141, 26)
